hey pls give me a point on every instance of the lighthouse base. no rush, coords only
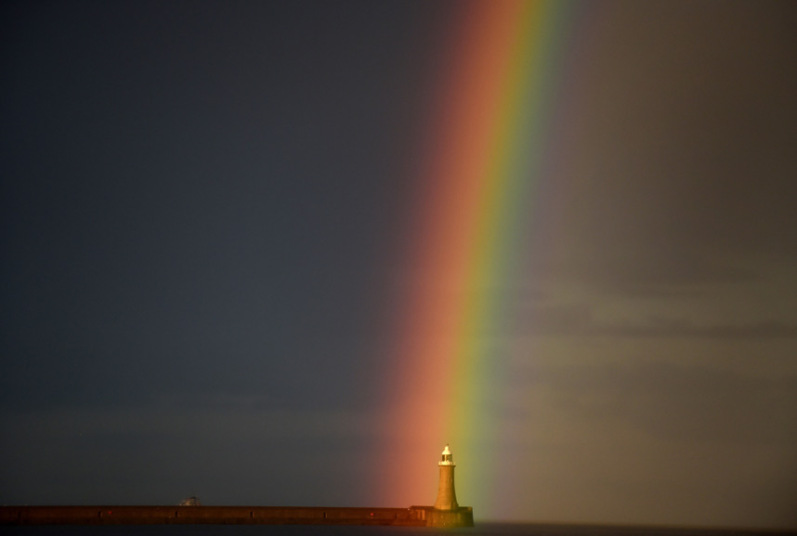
(432, 517)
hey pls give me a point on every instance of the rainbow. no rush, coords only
(485, 155)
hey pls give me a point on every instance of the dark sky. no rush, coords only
(202, 207)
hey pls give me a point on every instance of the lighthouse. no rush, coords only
(446, 496)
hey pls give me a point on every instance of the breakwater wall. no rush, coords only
(415, 516)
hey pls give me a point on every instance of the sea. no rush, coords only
(481, 529)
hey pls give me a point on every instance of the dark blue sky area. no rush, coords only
(190, 187)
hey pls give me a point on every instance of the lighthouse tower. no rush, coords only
(446, 496)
